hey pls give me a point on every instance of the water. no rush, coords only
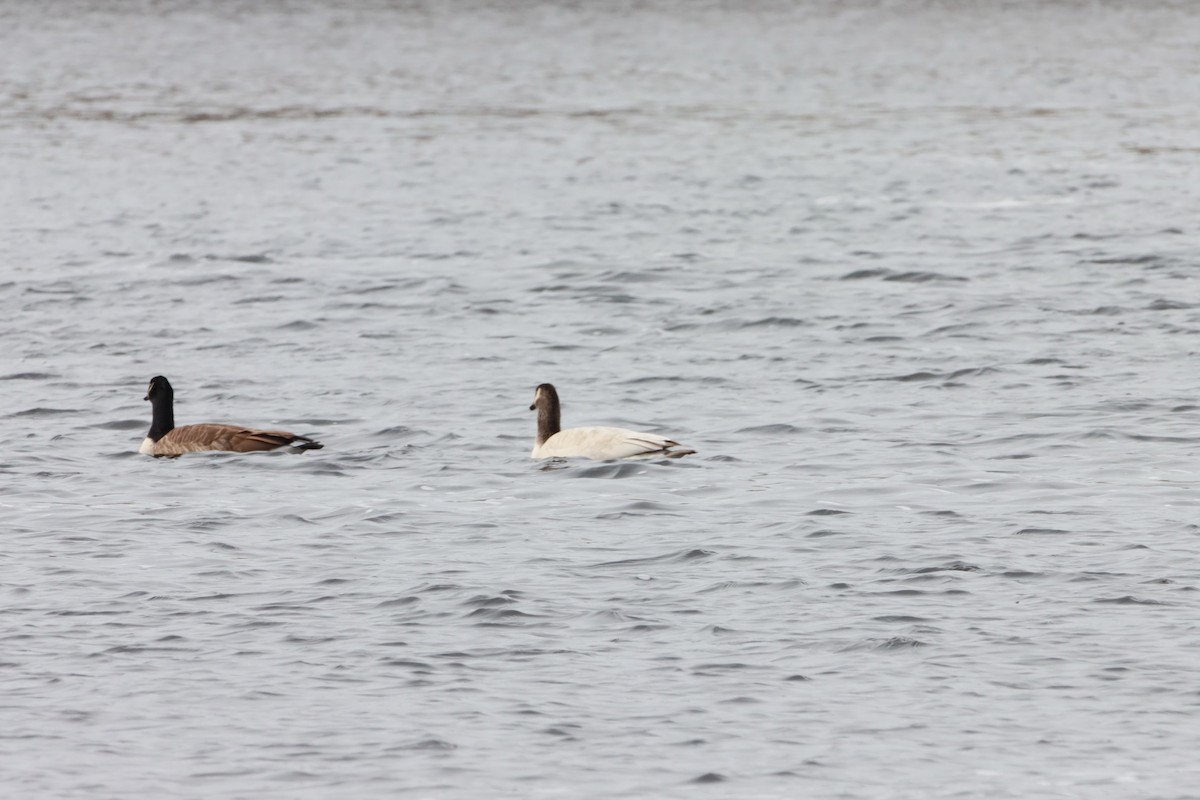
(917, 280)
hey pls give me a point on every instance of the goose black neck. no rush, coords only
(548, 417)
(163, 421)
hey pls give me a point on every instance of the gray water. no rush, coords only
(916, 279)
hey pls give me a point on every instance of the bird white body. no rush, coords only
(603, 444)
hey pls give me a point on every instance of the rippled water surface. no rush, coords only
(918, 280)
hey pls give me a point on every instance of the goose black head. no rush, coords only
(159, 387)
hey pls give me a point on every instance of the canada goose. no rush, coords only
(599, 444)
(164, 439)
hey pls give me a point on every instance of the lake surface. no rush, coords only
(917, 280)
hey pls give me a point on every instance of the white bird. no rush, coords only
(599, 444)
(164, 439)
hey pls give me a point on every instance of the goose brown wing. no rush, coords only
(215, 436)
(249, 440)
